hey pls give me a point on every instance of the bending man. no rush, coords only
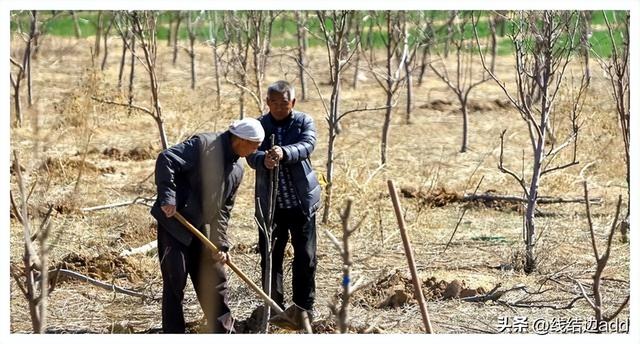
(199, 178)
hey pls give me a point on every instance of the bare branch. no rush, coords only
(137, 107)
(593, 237)
(508, 171)
(461, 217)
(100, 284)
(137, 200)
(584, 294)
(615, 314)
(334, 241)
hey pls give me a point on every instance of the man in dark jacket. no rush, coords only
(199, 178)
(298, 194)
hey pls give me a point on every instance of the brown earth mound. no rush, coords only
(104, 267)
(242, 248)
(58, 165)
(441, 197)
(396, 290)
(438, 197)
(135, 154)
(472, 105)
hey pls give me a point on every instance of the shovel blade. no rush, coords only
(293, 318)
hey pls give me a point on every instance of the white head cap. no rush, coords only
(249, 129)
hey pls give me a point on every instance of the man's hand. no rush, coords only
(169, 209)
(221, 257)
(273, 156)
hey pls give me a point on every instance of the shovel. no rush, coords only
(291, 319)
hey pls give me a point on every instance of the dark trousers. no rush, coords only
(208, 278)
(303, 239)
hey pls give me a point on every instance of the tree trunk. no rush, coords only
(530, 225)
(176, 38)
(132, 70)
(302, 52)
(28, 55)
(122, 59)
(16, 100)
(423, 64)
(105, 39)
(385, 130)
(192, 57)
(584, 40)
(76, 25)
(465, 124)
(356, 63)
(538, 156)
(99, 28)
(244, 56)
(387, 116)
(406, 60)
(343, 314)
(333, 123)
(216, 69)
(449, 33)
(43, 283)
(259, 41)
(494, 42)
(172, 21)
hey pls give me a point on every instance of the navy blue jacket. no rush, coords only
(298, 143)
(201, 177)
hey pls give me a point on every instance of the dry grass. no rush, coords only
(73, 133)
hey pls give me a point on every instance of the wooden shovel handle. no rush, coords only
(229, 263)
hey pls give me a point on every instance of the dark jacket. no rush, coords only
(201, 177)
(298, 143)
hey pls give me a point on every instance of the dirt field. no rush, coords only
(65, 132)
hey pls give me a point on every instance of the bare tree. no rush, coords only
(544, 43)
(390, 80)
(24, 68)
(335, 45)
(260, 26)
(348, 286)
(236, 24)
(143, 27)
(99, 26)
(32, 279)
(132, 67)
(463, 79)
(426, 36)
(334, 27)
(76, 25)
(450, 31)
(585, 34)
(193, 24)
(179, 15)
(213, 42)
(493, 19)
(105, 38)
(601, 263)
(616, 68)
(301, 35)
(126, 36)
(409, 57)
